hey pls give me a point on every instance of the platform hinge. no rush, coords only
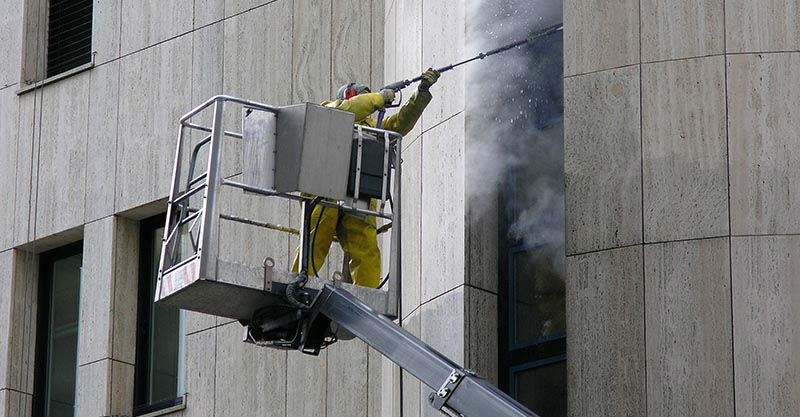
(439, 399)
(269, 263)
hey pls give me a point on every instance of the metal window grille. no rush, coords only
(69, 35)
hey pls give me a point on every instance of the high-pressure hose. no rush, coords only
(398, 86)
(302, 278)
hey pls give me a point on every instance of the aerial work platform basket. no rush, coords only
(221, 234)
(216, 201)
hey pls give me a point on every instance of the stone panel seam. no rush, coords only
(15, 390)
(205, 329)
(445, 292)
(330, 62)
(285, 384)
(454, 115)
(214, 327)
(189, 32)
(730, 222)
(609, 249)
(107, 358)
(116, 129)
(371, 46)
(408, 145)
(443, 121)
(119, 39)
(641, 190)
(417, 308)
(86, 147)
(681, 59)
(388, 12)
(172, 38)
(767, 235)
(37, 141)
(214, 399)
(475, 287)
(602, 249)
(16, 172)
(109, 399)
(467, 328)
(252, 8)
(112, 322)
(684, 58)
(29, 342)
(786, 51)
(686, 240)
(602, 70)
(291, 55)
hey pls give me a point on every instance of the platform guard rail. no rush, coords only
(189, 259)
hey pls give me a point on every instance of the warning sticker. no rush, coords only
(179, 278)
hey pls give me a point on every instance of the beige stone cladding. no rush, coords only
(713, 169)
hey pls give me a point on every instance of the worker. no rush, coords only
(357, 235)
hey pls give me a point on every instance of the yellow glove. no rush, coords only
(429, 78)
(388, 96)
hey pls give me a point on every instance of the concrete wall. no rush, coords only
(682, 230)
(90, 155)
(446, 301)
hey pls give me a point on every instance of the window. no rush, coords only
(69, 35)
(159, 337)
(532, 293)
(57, 332)
(58, 38)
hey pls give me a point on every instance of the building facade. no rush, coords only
(85, 165)
(682, 238)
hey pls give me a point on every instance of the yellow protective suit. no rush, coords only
(359, 237)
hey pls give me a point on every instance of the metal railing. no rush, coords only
(185, 262)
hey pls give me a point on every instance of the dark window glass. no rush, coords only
(57, 332)
(520, 119)
(543, 388)
(539, 309)
(69, 35)
(159, 363)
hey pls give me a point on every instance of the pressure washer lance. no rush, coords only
(399, 85)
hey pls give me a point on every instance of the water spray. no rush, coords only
(398, 86)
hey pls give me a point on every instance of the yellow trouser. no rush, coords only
(358, 239)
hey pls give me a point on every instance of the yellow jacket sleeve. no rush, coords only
(404, 120)
(362, 105)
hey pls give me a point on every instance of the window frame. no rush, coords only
(532, 365)
(76, 49)
(43, 309)
(147, 229)
(514, 357)
(36, 24)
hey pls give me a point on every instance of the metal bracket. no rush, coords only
(385, 182)
(439, 398)
(358, 163)
(338, 279)
(269, 263)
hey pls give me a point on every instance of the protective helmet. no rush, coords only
(351, 90)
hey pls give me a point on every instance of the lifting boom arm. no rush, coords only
(456, 389)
